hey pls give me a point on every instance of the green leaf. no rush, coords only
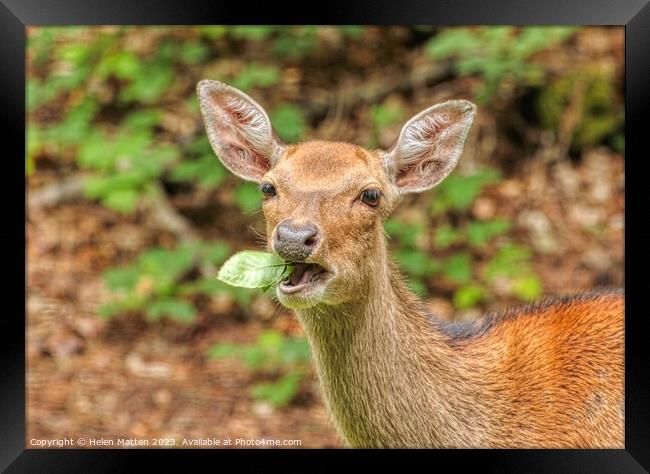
(289, 122)
(295, 42)
(459, 192)
(417, 287)
(510, 260)
(248, 197)
(213, 32)
(207, 170)
(121, 278)
(256, 75)
(102, 186)
(385, 115)
(254, 357)
(446, 236)
(295, 350)
(417, 263)
(458, 267)
(167, 264)
(254, 33)
(281, 392)
(406, 232)
(479, 233)
(122, 200)
(527, 288)
(353, 31)
(194, 52)
(144, 119)
(254, 269)
(121, 64)
(451, 42)
(270, 340)
(75, 127)
(216, 252)
(150, 84)
(468, 295)
(175, 309)
(108, 310)
(223, 351)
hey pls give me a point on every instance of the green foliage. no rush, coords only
(458, 267)
(460, 260)
(280, 392)
(248, 197)
(496, 53)
(109, 94)
(296, 42)
(127, 162)
(213, 32)
(256, 75)
(407, 232)
(289, 122)
(481, 232)
(254, 269)
(458, 192)
(512, 264)
(601, 115)
(126, 159)
(417, 263)
(99, 101)
(385, 115)
(148, 84)
(273, 355)
(445, 236)
(156, 283)
(507, 262)
(527, 287)
(201, 166)
(468, 295)
(173, 308)
(286, 42)
(253, 33)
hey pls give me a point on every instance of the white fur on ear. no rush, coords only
(239, 130)
(430, 145)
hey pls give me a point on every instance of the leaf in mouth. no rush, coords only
(254, 269)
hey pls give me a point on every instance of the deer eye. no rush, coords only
(371, 197)
(267, 189)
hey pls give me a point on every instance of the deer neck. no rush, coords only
(388, 376)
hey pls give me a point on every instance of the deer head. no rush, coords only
(325, 202)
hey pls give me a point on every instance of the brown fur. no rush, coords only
(545, 376)
(548, 375)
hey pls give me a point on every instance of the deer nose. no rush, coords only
(296, 243)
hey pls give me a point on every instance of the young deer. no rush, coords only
(546, 375)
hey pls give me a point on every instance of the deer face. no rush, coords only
(325, 212)
(325, 202)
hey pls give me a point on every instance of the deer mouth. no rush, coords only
(302, 276)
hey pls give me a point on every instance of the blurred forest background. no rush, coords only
(130, 212)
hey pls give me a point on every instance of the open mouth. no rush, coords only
(302, 276)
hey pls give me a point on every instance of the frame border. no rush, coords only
(16, 15)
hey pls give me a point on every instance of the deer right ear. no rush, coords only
(429, 146)
(239, 130)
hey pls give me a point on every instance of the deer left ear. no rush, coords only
(429, 146)
(239, 130)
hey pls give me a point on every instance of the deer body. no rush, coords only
(547, 375)
(394, 378)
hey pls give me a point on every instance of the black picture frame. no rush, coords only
(16, 15)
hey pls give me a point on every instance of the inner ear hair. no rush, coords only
(239, 130)
(430, 145)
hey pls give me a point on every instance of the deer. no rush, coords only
(549, 374)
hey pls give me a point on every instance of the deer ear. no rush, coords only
(429, 146)
(239, 130)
